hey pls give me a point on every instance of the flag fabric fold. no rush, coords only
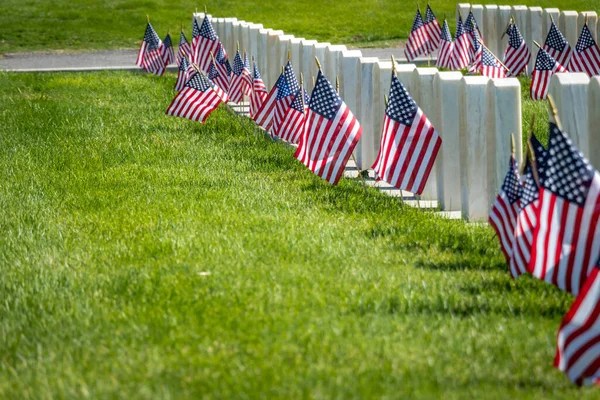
(460, 55)
(557, 46)
(184, 48)
(432, 27)
(516, 55)
(473, 33)
(204, 42)
(586, 57)
(259, 92)
(416, 44)
(545, 67)
(285, 96)
(241, 80)
(294, 120)
(185, 72)
(150, 55)
(167, 51)
(490, 66)
(196, 100)
(445, 49)
(264, 116)
(215, 77)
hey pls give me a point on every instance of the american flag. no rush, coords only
(184, 48)
(432, 27)
(204, 42)
(517, 55)
(285, 96)
(557, 46)
(444, 58)
(259, 93)
(248, 73)
(416, 44)
(150, 55)
(223, 65)
(566, 239)
(293, 122)
(545, 67)
(264, 117)
(474, 33)
(527, 220)
(220, 81)
(460, 55)
(197, 100)
(409, 143)
(185, 71)
(330, 134)
(490, 66)
(477, 53)
(578, 339)
(167, 50)
(241, 81)
(586, 57)
(503, 216)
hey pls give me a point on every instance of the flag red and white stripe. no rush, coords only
(259, 93)
(462, 44)
(264, 116)
(445, 49)
(330, 134)
(490, 66)
(167, 50)
(218, 81)
(294, 120)
(545, 67)
(196, 101)
(416, 44)
(409, 143)
(557, 46)
(241, 80)
(185, 72)
(204, 42)
(184, 48)
(586, 57)
(517, 55)
(432, 27)
(150, 55)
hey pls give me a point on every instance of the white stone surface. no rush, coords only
(285, 47)
(504, 13)
(473, 148)
(535, 16)
(350, 75)
(491, 19)
(521, 19)
(318, 50)
(237, 35)
(245, 37)
(295, 44)
(254, 31)
(592, 17)
(366, 149)
(330, 64)
(569, 91)
(594, 121)
(406, 76)
(229, 41)
(568, 26)
(462, 9)
(218, 24)
(478, 10)
(273, 63)
(307, 61)
(503, 118)
(382, 80)
(547, 21)
(446, 91)
(422, 93)
(261, 56)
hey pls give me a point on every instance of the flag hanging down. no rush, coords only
(247, 74)
(527, 220)
(150, 54)
(409, 143)
(217, 72)
(185, 72)
(477, 53)
(416, 44)
(215, 77)
(432, 27)
(285, 96)
(264, 117)
(293, 122)
(503, 216)
(557, 46)
(460, 55)
(241, 81)
(517, 55)
(197, 100)
(490, 66)
(223, 66)
(586, 57)
(204, 42)
(474, 33)
(167, 51)
(444, 58)
(330, 134)
(184, 48)
(578, 339)
(259, 92)
(545, 67)
(566, 239)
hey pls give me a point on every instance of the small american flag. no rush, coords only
(259, 93)
(517, 55)
(490, 66)
(285, 96)
(223, 65)
(220, 81)
(432, 27)
(150, 54)
(241, 81)
(416, 44)
(185, 71)
(444, 58)
(557, 46)
(292, 126)
(197, 100)
(167, 50)
(204, 42)
(545, 67)
(503, 217)
(566, 239)
(477, 53)
(330, 134)
(578, 339)
(264, 117)
(586, 57)
(184, 48)
(474, 33)
(409, 143)
(247, 75)
(462, 45)
(527, 219)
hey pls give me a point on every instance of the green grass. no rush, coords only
(144, 256)
(113, 24)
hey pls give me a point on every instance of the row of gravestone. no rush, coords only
(533, 22)
(474, 115)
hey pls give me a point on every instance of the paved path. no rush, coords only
(119, 59)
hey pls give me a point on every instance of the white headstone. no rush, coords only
(285, 49)
(503, 118)
(366, 147)
(594, 121)
(237, 36)
(307, 61)
(473, 148)
(446, 93)
(295, 44)
(261, 56)
(406, 76)
(547, 21)
(570, 94)
(592, 19)
(504, 13)
(382, 80)
(521, 19)
(490, 18)
(462, 9)
(273, 63)
(245, 37)
(318, 50)
(218, 24)
(568, 26)
(229, 42)
(535, 16)
(254, 39)
(331, 62)
(350, 74)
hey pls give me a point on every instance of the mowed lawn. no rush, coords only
(145, 256)
(112, 24)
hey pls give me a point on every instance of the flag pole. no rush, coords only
(147, 18)
(497, 59)
(554, 111)
(507, 25)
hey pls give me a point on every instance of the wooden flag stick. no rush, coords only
(537, 44)
(205, 12)
(393, 65)
(318, 63)
(147, 18)
(181, 26)
(532, 160)
(554, 111)
(551, 18)
(512, 144)
(289, 55)
(385, 100)
(238, 46)
(497, 59)
(506, 29)
(313, 81)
